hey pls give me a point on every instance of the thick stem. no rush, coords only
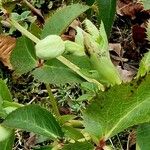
(53, 101)
(23, 30)
(106, 69)
(76, 69)
(101, 62)
(69, 64)
(35, 10)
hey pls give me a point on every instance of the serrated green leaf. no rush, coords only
(144, 65)
(143, 136)
(56, 72)
(6, 103)
(35, 30)
(23, 58)
(4, 92)
(82, 61)
(79, 146)
(56, 75)
(107, 9)
(117, 109)
(146, 4)
(62, 18)
(35, 119)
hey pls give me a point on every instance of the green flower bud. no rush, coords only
(91, 29)
(50, 47)
(74, 48)
(101, 62)
(79, 39)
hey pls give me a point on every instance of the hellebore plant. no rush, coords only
(94, 44)
(98, 53)
(107, 114)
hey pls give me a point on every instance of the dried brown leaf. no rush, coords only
(138, 34)
(71, 31)
(126, 75)
(116, 53)
(7, 43)
(129, 9)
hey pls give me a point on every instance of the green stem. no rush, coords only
(76, 69)
(101, 62)
(23, 30)
(69, 64)
(53, 101)
(35, 10)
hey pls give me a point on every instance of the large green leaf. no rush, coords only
(35, 119)
(118, 108)
(6, 103)
(56, 75)
(6, 138)
(143, 137)
(83, 61)
(79, 146)
(5, 96)
(107, 9)
(23, 57)
(4, 91)
(62, 18)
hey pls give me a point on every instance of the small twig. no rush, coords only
(120, 142)
(35, 10)
(112, 143)
(23, 30)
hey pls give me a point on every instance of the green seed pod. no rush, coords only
(50, 47)
(74, 48)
